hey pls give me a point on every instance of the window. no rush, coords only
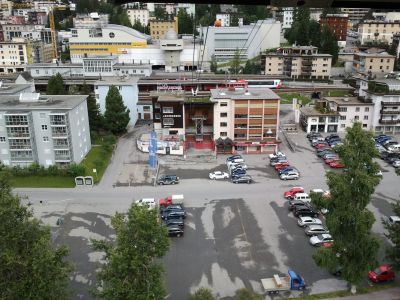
(357, 109)
(365, 117)
(223, 115)
(45, 139)
(111, 35)
(168, 110)
(157, 116)
(356, 117)
(223, 133)
(168, 121)
(366, 109)
(223, 104)
(342, 125)
(2, 139)
(365, 125)
(223, 124)
(44, 127)
(342, 109)
(342, 118)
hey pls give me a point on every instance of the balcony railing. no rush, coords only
(385, 103)
(18, 135)
(389, 112)
(62, 157)
(364, 99)
(389, 122)
(306, 62)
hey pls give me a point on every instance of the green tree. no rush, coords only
(160, 13)
(131, 270)
(393, 252)
(315, 33)
(65, 55)
(235, 62)
(205, 13)
(185, 22)
(55, 85)
(95, 117)
(234, 20)
(328, 43)
(354, 250)
(116, 116)
(213, 64)
(245, 294)
(202, 294)
(330, 10)
(30, 266)
(300, 30)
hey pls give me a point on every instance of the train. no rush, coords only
(248, 83)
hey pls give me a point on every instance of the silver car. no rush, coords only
(306, 221)
(315, 230)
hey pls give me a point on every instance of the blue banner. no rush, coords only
(153, 150)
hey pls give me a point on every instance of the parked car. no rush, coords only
(331, 159)
(382, 274)
(218, 175)
(322, 145)
(330, 155)
(281, 166)
(290, 175)
(294, 203)
(318, 240)
(293, 191)
(175, 231)
(394, 148)
(173, 214)
(277, 161)
(277, 154)
(303, 197)
(235, 165)
(175, 222)
(233, 157)
(315, 143)
(394, 220)
(317, 139)
(396, 163)
(238, 171)
(168, 179)
(306, 221)
(287, 170)
(337, 165)
(326, 151)
(331, 137)
(313, 134)
(234, 161)
(243, 179)
(305, 211)
(315, 230)
(171, 208)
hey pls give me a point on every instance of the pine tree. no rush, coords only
(235, 63)
(95, 117)
(132, 270)
(328, 43)
(30, 266)
(116, 116)
(213, 64)
(354, 249)
(55, 85)
(185, 22)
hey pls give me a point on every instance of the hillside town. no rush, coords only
(126, 129)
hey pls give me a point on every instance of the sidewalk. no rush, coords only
(389, 294)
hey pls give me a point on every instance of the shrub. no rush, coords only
(75, 170)
(53, 170)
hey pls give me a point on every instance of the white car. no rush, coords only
(318, 240)
(396, 163)
(305, 221)
(290, 175)
(240, 165)
(277, 154)
(218, 175)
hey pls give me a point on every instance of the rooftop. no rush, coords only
(381, 54)
(49, 102)
(13, 89)
(310, 111)
(346, 101)
(241, 94)
(114, 80)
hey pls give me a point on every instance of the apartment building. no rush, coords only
(298, 62)
(27, 31)
(138, 15)
(47, 130)
(377, 31)
(287, 18)
(248, 117)
(338, 24)
(351, 110)
(5, 8)
(158, 28)
(355, 14)
(319, 120)
(373, 62)
(93, 20)
(225, 19)
(108, 40)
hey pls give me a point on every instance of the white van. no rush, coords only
(235, 161)
(303, 197)
(149, 202)
(394, 148)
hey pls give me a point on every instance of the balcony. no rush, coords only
(389, 112)
(390, 103)
(306, 69)
(62, 158)
(389, 122)
(306, 62)
(364, 99)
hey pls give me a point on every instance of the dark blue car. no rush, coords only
(286, 170)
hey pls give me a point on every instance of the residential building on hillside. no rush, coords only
(13, 89)
(108, 40)
(377, 31)
(287, 17)
(351, 110)
(158, 28)
(372, 62)
(140, 15)
(27, 31)
(93, 20)
(355, 14)
(5, 8)
(222, 42)
(248, 117)
(128, 89)
(338, 24)
(298, 62)
(47, 129)
(225, 19)
(315, 13)
(387, 15)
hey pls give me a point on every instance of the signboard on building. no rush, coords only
(168, 87)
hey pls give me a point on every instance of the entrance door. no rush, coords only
(146, 116)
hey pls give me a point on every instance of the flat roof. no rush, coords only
(46, 102)
(115, 80)
(298, 54)
(312, 112)
(347, 101)
(9, 89)
(248, 94)
(382, 54)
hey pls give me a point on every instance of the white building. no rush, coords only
(44, 129)
(287, 18)
(5, 8)
(312, 119)
(225, 19)
(389, 16)
(222, 42)
(141, 15)
(27, 31)
(189, 7)
(127, 88)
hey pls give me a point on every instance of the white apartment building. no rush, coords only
(287, 18)
(141, 15)
(5, 8)
(351, 110)
(390, 16)
(225, 19)
(355, 14)
(378, 31)
(27, 31)
(47, 129)
(13, 55)
(46, 5)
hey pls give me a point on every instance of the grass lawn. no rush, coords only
(287, 98)
(43, 181)
(338, 93)
(97, 158)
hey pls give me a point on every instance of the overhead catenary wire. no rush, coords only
(202, 55)
(255, 34)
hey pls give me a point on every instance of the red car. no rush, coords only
(322, 145)
(293, 191)
(327, 245)
(337, 165)
(382, 274)
(281, 166)
(329, 160)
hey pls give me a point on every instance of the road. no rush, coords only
(234, 235)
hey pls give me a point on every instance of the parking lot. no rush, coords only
(235, 234)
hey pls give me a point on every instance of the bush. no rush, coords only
(245, 294)
(109, 140)
(75, 170)
(53, 170)
(202, 294)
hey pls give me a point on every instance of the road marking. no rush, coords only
(244, 231)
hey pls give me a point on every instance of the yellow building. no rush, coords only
(108, 40)
(158, 28)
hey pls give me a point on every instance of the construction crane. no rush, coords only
(53, 28)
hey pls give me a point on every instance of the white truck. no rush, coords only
(278, 283)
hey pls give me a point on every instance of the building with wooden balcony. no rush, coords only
(378, 31)
(373, 61)
(247, 118)
(298, 62)
(49, 130)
